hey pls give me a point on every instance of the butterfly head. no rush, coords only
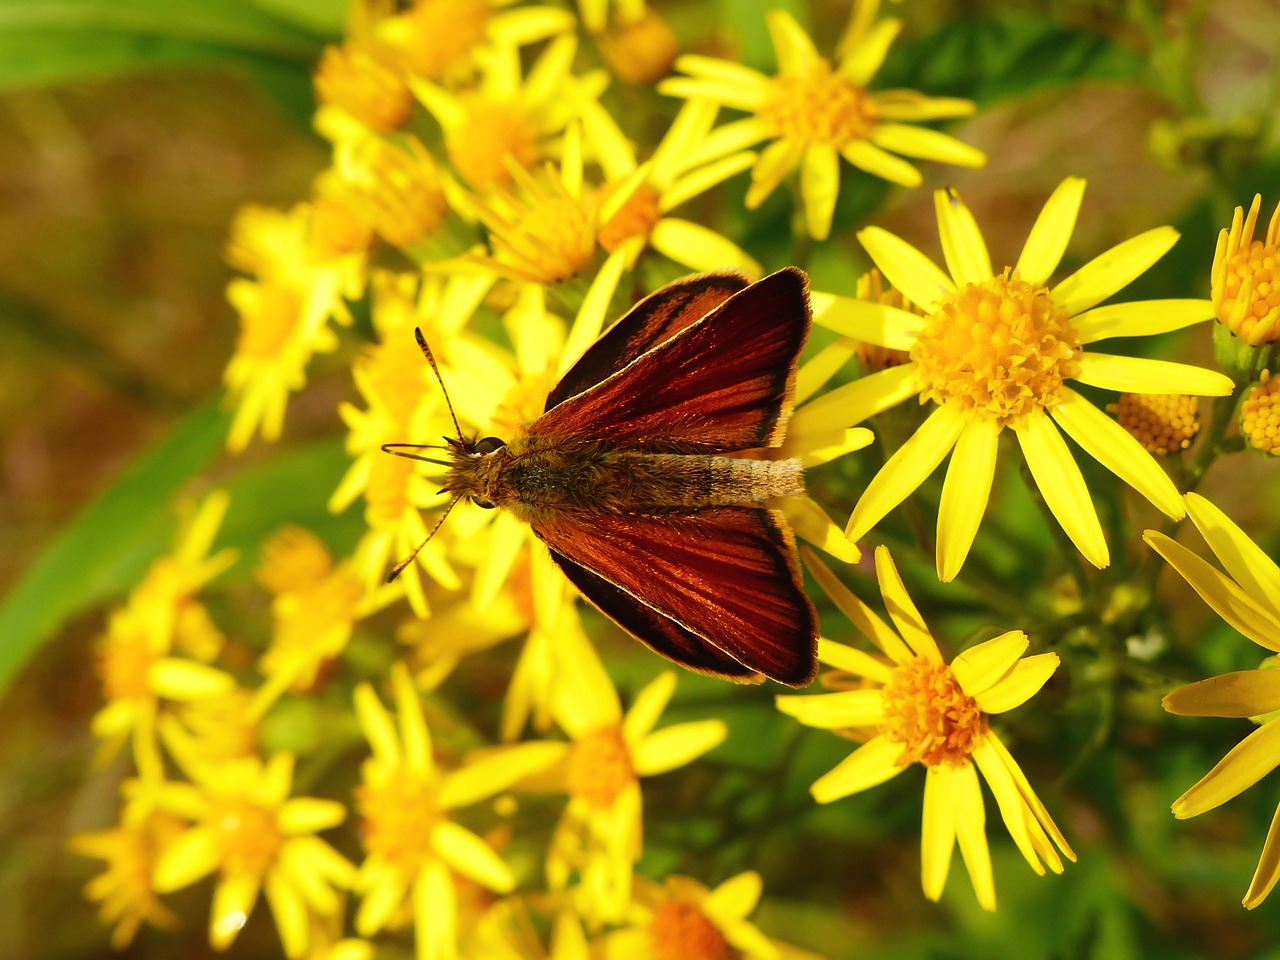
(475, 469)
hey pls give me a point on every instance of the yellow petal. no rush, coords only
(698, 181)
(876, 323)
(906, 268)
(303, 815)
(1062, 486)
(979, 667)
(868, 157)
(1113, 270)
(379, 729)
(1029, 796)
(497, 770)
(590, 318)
(174, 678)
(794, 49)
(289, 911)
(811, 523)
(233, 900)
(859, 614)
(470, 856)
(1019, 685)
(775, 162)
(872, 763)
(414, 736)
(1244, 765)
(857, 401)
(1018, 820)
(819, 185)
(648, 706)
(435, 914)
(962, 244)
(1047, 241)
(926, 144)
(1117, 450)
(677, 745)
(909, 467)
(971, 833)
(965, 493)
(1250, 566)
(735, 898)
(1245, 693)
(700, 248)
(1145, 375)
(1268, 871)
(380, 903)
(830, 711)
(863, 58)
(852, 660)
(1141, 318)
(937, 831)
(192, 855)
(903, 613)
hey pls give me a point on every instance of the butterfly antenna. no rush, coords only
(426, 352)
(416, 550)
(398, 449)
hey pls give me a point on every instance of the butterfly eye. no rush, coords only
(484, 504)
(488, 445)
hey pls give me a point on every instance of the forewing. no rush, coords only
(727, 575)
(725, 382)
(656, 318)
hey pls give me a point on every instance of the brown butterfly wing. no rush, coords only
(658, 317)
(725, 575)
(724, 382)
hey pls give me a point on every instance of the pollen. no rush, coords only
(1001, 348)
(399, 818)
(268, 318)
(436, 37)
(927, 712)
(355, 79)
(819, 106)
(640, 51)
(387, 493)
(492, 132)
(402, 195)
(248, 836)
(1162, 423)
(1246, 278)
(680, 931)
(600, 767)
(635, 218)
(1260, 415)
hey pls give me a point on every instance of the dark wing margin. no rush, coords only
(658, 317)
(727, 578)
(725, 382)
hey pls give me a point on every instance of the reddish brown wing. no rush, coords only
(725, 382)
(727, 575)
(658, 317)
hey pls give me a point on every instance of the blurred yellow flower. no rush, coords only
(814, 114)
(916, 708)
(1246, 277)
(995, 350)
(1246, 596)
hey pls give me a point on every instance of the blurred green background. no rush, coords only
(131, 130)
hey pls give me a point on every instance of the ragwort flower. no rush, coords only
(995, 350)
(917, 708)
(1247, 596)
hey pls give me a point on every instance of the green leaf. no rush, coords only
(107, 547)
(53, 41)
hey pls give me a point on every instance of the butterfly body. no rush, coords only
(649, 474)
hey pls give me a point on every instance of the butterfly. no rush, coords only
(645, 480)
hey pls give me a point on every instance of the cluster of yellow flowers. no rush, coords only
(481, 190)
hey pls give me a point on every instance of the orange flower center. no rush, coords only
(819, 106)
(293, 559)
(640, 51)
(491, 132)
(336, 228)
(1260, 415)
(1163, 423)
(600, 767)
(401, 193)
(680, 931)
(353, 79)
(927, 712)
(399, 818)
(248, 836)
(1001, 348)
(635, 218)
(1248, 302)
(546, 235)
(438, 35)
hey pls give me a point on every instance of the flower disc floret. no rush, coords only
(399, 818)
(930, 715)
(1000, 348)
(600, 767)
(819, 106)
(680, 931)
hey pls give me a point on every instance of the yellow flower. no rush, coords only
(917, 708)
(1246, 596)
(638, 49)
(1260, 414)
(223, 726)
(814, 114)
(599, 834)
(360, 80)
(504, 122)
(124, 887)
(1162, 423)
(665, 182)
(1246, 277)
(134, 658)
(995, 350)
(247, 828)
(681, 919)
(413, 849)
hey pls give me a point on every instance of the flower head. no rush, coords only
(914, 707)
(1260, 414)
(1246, 596)
(996, 349)
(814, 114)
(1246, 277)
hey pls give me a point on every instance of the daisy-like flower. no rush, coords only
(666, 182)
(360, 89)
(1246, 596)
(249, 830)
(505, 120)
(995, 350)
(814, 114)
(1246, 277)
(413, 849)
(124, 891)
(639, 48)
(680, 919)
(162, 617)
(917, 708)
(599, 836)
